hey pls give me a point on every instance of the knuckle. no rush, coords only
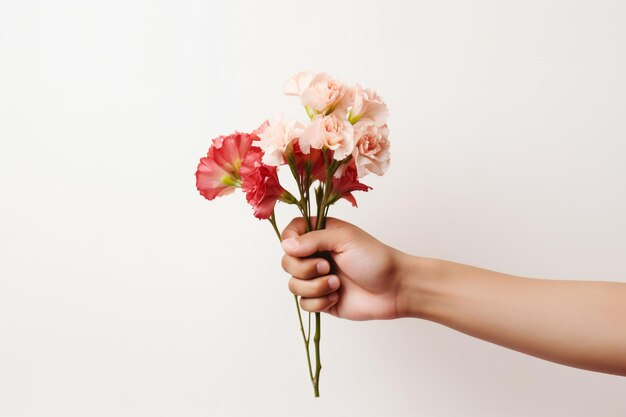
(304, 303)
(321, 286)
(303, 238)
(308, 239)
(292, 285)
(313, 269)
(312, 304)
(290, 228)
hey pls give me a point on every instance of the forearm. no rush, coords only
(577, 323)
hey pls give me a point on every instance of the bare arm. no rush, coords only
(576, 323)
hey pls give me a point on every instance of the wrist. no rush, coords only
(419, 282)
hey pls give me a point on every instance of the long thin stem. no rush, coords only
(307, 181)
(322, 212)
(327, 188)
(320, 204)
(308, 336)
(304, 185)
(272, 220)
(318, 362)
(305, 338)
(303, 203)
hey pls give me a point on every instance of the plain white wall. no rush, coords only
(124, 293)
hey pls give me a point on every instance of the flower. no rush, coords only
(328, 132)
(311, 163)
(367, 104)
(275, 137)
(346, 138)
(343, 186)
(298, 83)
(371, 152)
(323, 93)
(319, 93)
(218, 172)
(261, 185)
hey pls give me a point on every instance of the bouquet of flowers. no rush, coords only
(345, 138)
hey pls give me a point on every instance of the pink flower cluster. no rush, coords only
(345, 138)
(349, 120)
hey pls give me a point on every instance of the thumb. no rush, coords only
(326, 240)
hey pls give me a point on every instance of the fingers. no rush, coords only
(305, 268)
(319, 303)
(318, 294)
(314, 288)
(297, 226)
(330, 240)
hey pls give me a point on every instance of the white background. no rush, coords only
(124, 293)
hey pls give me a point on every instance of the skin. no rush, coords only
(575, 323)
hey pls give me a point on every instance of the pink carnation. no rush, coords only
(276, 137)
(371, 152)
(367, 104)
(319, 93)
(328, 132)
(298, 83)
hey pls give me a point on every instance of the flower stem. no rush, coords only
(272, 220)
(303, 204)
(322, 212)
(318, 363)
(306, 339)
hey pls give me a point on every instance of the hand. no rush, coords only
(360, 283)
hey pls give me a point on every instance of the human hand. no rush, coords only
(362, 281)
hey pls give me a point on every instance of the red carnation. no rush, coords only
(218, 172)
(261, 185)
(346, 184)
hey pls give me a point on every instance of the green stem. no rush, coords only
(327, 189)
(303, 203)
(308, 336)
(307, 181)
(305, 338)
(322, 212)
(318, 363)
(272, 220)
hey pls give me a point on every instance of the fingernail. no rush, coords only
(289, 244)
(333, 283)
(322, 267)
(333, 297)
